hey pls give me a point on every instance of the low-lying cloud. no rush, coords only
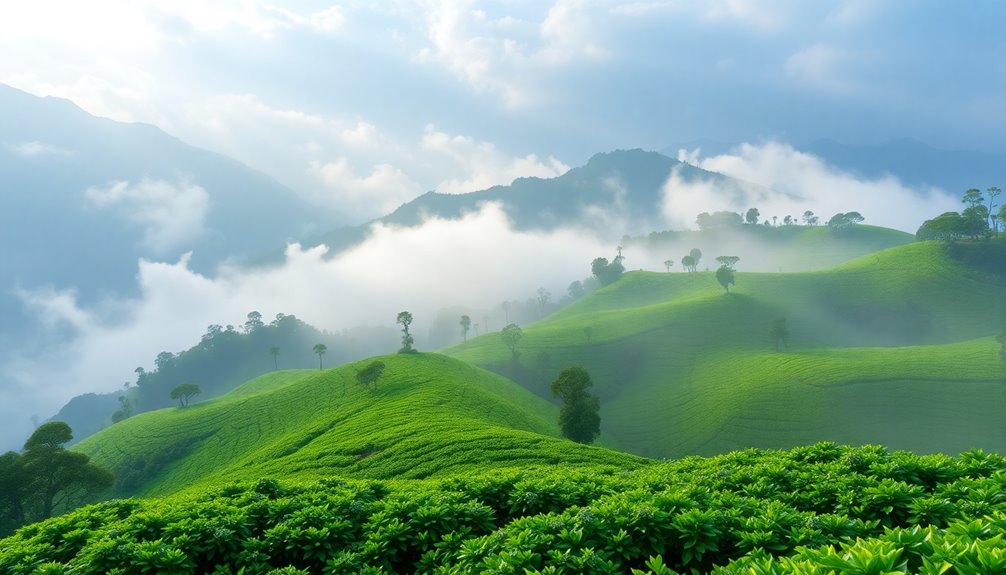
(171, 215)
(477, 261)
(780, 180)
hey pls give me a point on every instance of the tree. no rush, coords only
(1001, 216)
(14, 492)
(788, 221)
(973, 197)
(274, 352)
(320, 349)
(511, 335)
(254, 322)
(184, 392)
(59, 478)
(992, 194)
(688, 262)
(668, 264)
(841, 221)
(543, 298)
(370, 374)
(728, 261)
(579, 416)
(751, 216)
(948, 227)
(809, 219)
(405, 318)
(466, 324)
(779, 332)
(696, 254)
(125, 410)
(605, 272)
(725, 276)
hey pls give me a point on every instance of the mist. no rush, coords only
(786, 181)
(474, 262)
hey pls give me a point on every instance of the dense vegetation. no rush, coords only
(818, 509)
(224, 358)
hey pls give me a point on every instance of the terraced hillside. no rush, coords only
(895, 348)
(428, 416)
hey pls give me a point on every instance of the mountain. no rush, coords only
(613, 194)
(895, 348)
(83, 198)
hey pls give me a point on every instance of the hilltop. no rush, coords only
(429, 416)
(880, 350)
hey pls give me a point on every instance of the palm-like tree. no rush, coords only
(320, 349)
(274, 352)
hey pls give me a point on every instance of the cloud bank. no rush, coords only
(785, 181)
(477, 261)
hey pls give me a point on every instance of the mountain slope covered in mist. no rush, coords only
(896, 348)
(86, 197)
(614, 194)
(427, 416)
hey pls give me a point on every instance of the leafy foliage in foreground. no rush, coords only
(817, 509)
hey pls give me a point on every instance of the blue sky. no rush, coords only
(363, 105)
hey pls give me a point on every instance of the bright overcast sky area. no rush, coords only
(364, 105)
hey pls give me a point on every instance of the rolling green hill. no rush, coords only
(895, 348)
(428, 416)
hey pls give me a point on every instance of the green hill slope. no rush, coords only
(894, 348)
(429, 416)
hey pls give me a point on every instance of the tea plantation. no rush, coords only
(895, 348)
(817, 509)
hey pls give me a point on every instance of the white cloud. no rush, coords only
(784, 181)
(476, 261)
(482, 164)
(35, 148)
(172, 215)
(384, 189)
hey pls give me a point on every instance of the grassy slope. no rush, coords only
(892, 348)
(430, 416)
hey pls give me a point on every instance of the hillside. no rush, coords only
(881, 350)
(428, 416)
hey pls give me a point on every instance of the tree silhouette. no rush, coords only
(466, 324)
(184, 392)
(725, 276)
(668, 264)
(405, 318)
(511, 335)
(274, 352)
(696, 254)
(370, 374)
(579, 416)
(320, 349)
(58, 478)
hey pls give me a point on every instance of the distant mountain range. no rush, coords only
(82, 198)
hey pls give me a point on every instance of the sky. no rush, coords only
(361, 106)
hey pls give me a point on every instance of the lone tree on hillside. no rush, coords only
(511, 335)
(466, 324)
(184, 392)
(320, 349)
(544, 296)
(809, 219)
(668, 264)
(274, 352)
(725, 276)
(369, 375)
(605, 272)
(688, 262)
(579, 416)
(57, 479)
(780, 333)
(405, 318)
(752, 216)
(842, 221)
(696, 254)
